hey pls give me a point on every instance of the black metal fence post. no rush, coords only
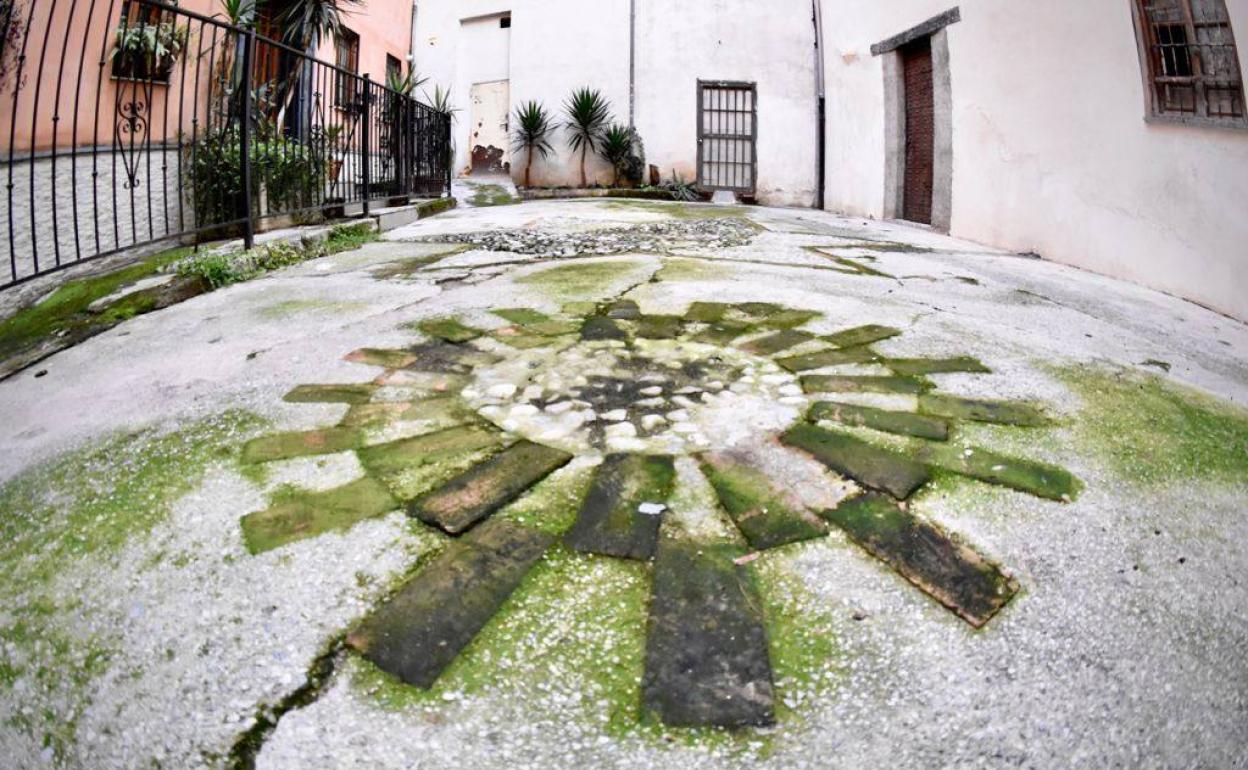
(364, 141)
(249, 223)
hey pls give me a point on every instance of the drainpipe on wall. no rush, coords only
(821, 121)
(632, 63)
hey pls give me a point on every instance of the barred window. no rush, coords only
(1191, 64)
(347, 57)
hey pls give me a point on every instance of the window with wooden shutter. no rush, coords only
(347, 57)
(1191, 63)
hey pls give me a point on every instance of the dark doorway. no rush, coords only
(916, 61)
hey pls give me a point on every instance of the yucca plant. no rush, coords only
(616, 148)
(588, 113)
(308, 22)
(532, 133)
(405, 84)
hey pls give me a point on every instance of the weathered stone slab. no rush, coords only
(777, 342)
(283, 446)
(483, 489)
(788, 319)
(598, 327)
(901, 423)
(830, 357)
(448, 329)
(862, 335)
(611, 521)
(722, 332)
(420, 631)
(948, 571)
(916, 366)
(706, 312)
(766, 516)
(1039, 479)
(869, 465)
(390, 359)
(707, 658)
(835, 383)
(300, 514)
(624, 309)
(349, 393)
(659, 327)
(521, 315)
(411, 466)
(983, 410)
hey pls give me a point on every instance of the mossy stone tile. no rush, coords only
(520, 338)
(373, 413)
(521, 315)
(723, 332)
(449, 329)
(598, 327)
(901, 423)
(553, 328)
(830, 357)
(776, 342)
(861, 335)
(706, 312)
(411, 466)
(1018, 413)
(450, 358)
(624, 309)
(352, 393)
(660, 327)
(610, 521)
(283, 446)
(297, 514)
(766, 516)
(910, 367)
(788, 319)
(950, 572)
(420, 630)
(707, 661)
(835, 383)
(1039, 479)
(869, 465)
(390, 359)
(483, 489)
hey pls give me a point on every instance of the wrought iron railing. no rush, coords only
(134, 122)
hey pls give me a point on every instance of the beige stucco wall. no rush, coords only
(559, 45)
(1051, 152)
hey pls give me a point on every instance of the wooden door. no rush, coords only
(920, 130)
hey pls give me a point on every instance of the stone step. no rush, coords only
(768, 517)
(611, 521)
(869, 465)
(707, 662)
(901, 423)
(1017, 413)
(420, 630)
(948, 571)
(483, 489)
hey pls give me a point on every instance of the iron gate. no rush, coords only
(727, 136)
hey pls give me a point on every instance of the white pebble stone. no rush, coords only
(621, 430)
(502, 390)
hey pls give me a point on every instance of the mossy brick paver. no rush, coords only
(917, 366)
(611, 522)
(706, 312)
(788, 319)
(449, 329)
(900, 423)
(420, 630)
(723, 332)
(373, 413)
(451, 358)
(835, 383)
(861, 335)
(830, 357)
(624, 309)
(429, 382)
(766, 515)
(521, 315)
(660, 327)
(347, 393)
(553, 328)
(390, 359)
(707, 662)
(521, 339)
(483, 489)
(283, 446)
(411, 466)
(1019, 413)
(758, 310)
(869, 465)
(599, 327)
(298, 514)
(948, 571)
(1039, 479)
(776, 342)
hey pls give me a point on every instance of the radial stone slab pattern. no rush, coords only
(461, 424)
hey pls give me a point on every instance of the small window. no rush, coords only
(1190, 60)
(147, 43)
(505, 22)
(347, 57)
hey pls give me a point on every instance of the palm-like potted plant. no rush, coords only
(532, 133)
(588, 114)
(617, 148)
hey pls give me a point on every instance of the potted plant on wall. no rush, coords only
(148, 50)
(532, 134)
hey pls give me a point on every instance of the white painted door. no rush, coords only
(489, 145)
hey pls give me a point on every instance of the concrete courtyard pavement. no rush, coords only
(954, 507)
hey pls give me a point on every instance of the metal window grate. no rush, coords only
(1192, 60)
(727, 136)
